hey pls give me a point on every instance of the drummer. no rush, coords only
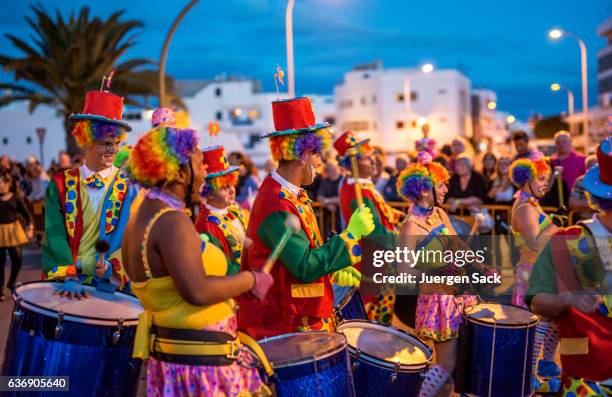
(89, 203)
(386, 218)
(220, 218)
(532, 229)
(438, 310)
(301, 298)
(571, 282)
(181, 280)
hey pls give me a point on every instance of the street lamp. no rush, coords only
(164, 53)
(491, 105)
(557, 34)
(289, 40)
(510, 119)
(570, 96)
(427, 68)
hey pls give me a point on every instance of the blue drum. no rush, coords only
(310, 364)
(88, 340)
(499, 353)
(386, 361)
(348, 304)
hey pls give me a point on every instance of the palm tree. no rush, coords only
(68, 57)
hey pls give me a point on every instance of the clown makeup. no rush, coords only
(539, 187)
(441, 190)
(312, 163)
(101, 154)
(222, 198)
(366, 165)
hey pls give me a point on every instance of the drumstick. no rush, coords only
(355, 174)
(102, 247)
(559, 176)
(478, 219)
(292, 224)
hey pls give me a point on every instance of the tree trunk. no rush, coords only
(71, 145)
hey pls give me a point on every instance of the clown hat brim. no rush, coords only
(314, 128)
(592, 179)
(231, 169)
(81, 116)
(358, 144)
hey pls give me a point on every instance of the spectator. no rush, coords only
(269, 166)
(381, 177)
(500, 189)
(328, 195)
(390, 191)
(467, 187)
(521, 144)
(566, 157)
(457, 148)
(489, 165)
(38, 180)
(12, 233)
(247, 179)
(64, 161)
(578, 197)
(551, 198)
(447, 151)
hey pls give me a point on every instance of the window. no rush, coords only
(330, 120)
(442, 91)
(349, 103)
(399, 125)
(373, 98)
(442, 119)
(218, 91)
(399, 97)
(254, 114)
(5, 141)
(363, 101)
(414, 96)
(366, 75)
(355, 126)
(29, 140)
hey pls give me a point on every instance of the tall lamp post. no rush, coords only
(164, 52)
(570, 96)
(557, 34)
(289, 40)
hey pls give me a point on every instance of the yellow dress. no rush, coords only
(165, 307)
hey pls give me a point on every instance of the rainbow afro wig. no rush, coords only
(297, 146)
(362, 149)
(525, 170)
(159, 154)
(86, 132)
(217, 183)
(420, 176)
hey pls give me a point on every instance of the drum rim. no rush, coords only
(378, 362)
(68, 316)
(497, 325)
(295, 362)
(347, 298)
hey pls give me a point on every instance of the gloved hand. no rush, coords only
(104, 270)
(72, 288)
(347, 277)
(361, 223)
(560, 217)
(263, 283)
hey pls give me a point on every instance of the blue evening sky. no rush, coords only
(500, 45)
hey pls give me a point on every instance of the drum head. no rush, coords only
(385, 344)
(495, 313)
(301, 347)
(99, 308)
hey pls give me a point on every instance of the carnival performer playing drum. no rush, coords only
(386, 218)
(302, 296)
(181, 280)
(572, 283)
(427, 227)
(89, 203)
(532, 229)
(220, 218)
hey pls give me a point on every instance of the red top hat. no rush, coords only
(294, 116)
(598, 179)
(103, 106)
(216, 160)
(347, 141)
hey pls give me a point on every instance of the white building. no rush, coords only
(244, 114)
(391, 105)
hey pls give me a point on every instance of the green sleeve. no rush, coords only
(542, 279)
(305, 263)
(56, 251)
(380, 234)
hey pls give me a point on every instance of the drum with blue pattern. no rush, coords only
(499, 340)
(348, 304)
(386, 361)
(90, 340)
(310, 364)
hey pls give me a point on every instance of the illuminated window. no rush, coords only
(399, 125)
(399, 97)
(414, 96)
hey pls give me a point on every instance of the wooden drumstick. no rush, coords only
(352, 152)
(292, 224)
